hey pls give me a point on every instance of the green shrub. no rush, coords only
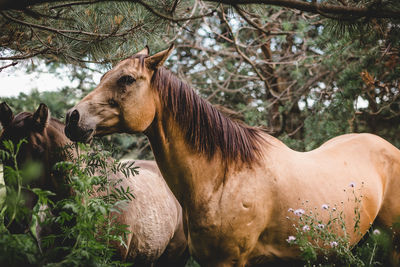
(84, 230)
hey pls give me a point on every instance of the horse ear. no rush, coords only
(6, 114)
(157, 60)
(145, 51)
(41, 116)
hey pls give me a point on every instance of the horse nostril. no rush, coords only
(74, 117)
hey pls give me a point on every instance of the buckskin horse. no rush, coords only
(237, 184)
(154, 216)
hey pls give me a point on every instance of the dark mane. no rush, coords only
(205, 128)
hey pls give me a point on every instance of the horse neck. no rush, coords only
(190, 175)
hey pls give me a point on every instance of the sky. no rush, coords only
(14, 81)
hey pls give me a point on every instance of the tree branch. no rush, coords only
(77, 32)
(247, 59)
(9, 65)
(258, 27)
(322, 9)
(25, 56)
(172, 19)
(75, 4)
(341, 11)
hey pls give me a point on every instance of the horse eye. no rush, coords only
(112, 103)
(125, 80)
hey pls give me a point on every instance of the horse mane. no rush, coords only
(205, 128)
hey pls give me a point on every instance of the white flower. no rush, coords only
(291, 239)
(321, 226)
(306, 228)
(325, 206)
(334, 209)
(290, 210)
(333, 244)
(352, 184)
(376, 232)
(299, 212)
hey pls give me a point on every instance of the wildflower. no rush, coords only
(325, 206)
(333, 244)
(290, 210)
(321, 226)
(352, 184)
(299, 212)
(291, 239)
(376, 232)
(306, 228)
(334, 209)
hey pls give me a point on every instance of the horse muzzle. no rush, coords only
(74, 129)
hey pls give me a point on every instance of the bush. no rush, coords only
(77, 231)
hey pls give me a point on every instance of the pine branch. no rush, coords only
(253, 24)
(341, 10)
(323, 9)
(62, 31)
(172, 19)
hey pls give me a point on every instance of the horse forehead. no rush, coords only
(22, 123)
(21, 127)
(130, 64)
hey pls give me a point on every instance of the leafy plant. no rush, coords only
(81, 230)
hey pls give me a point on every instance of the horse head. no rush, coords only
(44, 139)
(123, 92)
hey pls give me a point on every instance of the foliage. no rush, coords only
(84, 230)
(79, 33)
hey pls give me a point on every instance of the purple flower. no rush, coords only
(299, 212)
(321, 226)
(290, 210)
(291, 239)
(376, 232)
(306, 228)
(325, 206)
(333, 244)
(352, 184)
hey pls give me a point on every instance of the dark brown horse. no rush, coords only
(237, 183)
(154, 217)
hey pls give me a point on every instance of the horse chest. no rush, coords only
(235, 215)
